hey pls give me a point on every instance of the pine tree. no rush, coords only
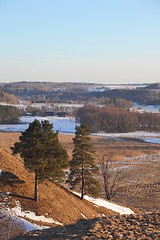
(42, 153)
(82, 167)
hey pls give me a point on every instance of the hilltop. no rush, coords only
(52, 92)
(153, 86)
(54, 201)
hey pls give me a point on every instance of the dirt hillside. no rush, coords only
(61, 205)
(139, 163)
(54, 201)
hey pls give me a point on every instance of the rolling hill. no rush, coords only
(71, 217)
(54, 202)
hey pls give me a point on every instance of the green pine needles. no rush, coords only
(42, 153)
(83, 170)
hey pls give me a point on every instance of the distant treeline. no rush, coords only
(117, 120)
(9, 115)
(8, 98)
(141, 96)
(110, 102)
(65, 92)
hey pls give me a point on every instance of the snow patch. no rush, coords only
(27, 226)
(104, 203)
(83, 215)
(31, 215)
(109, 205)
(7, 214)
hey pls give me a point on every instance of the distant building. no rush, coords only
(61, 114)
(49, 114)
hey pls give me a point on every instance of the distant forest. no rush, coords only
(117, 120)
(105, 109)
(8, 98)
(81, 92)
(9, 115)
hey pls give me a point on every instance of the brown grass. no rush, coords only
(54, 201)
(139, 190)
(136, 175)
(102, 145)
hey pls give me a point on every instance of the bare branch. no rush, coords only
(111, 178)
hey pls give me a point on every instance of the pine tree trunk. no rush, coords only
(36, 187)
(82, 189)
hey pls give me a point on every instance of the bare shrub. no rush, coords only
(111, 176)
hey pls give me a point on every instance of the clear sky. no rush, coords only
(102, 41)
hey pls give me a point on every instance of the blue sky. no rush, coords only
(102, 41)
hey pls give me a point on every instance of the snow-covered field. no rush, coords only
(101, 88)
(150, 137)
(24, 105)
(125, 86)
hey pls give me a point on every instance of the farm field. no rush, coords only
(139, 165)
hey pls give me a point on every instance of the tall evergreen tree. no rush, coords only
(82, 167)
(42, 153)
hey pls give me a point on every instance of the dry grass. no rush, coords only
(102, 145)
(139, 190)
(55, 201)
(137, 175)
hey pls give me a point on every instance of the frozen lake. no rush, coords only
(62, 124)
